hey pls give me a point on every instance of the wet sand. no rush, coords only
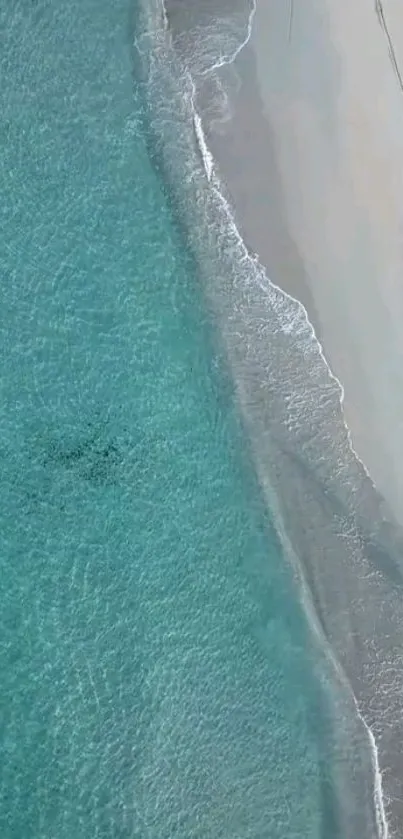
(312, 157)
(307, 132)
(311, 152)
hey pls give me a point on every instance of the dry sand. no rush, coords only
(320, 195)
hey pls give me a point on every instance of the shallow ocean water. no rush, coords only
(156, 668)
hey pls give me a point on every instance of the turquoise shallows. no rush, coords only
(154, 675)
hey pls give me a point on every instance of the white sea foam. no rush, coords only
(327, 650)
(295, 320)
(208, 161)
(205, 152)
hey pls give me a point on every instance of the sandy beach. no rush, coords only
(311, 151)
(305, 127)
(319, 106)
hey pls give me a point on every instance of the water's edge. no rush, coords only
(370, 537)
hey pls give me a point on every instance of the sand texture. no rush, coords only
(320, 196)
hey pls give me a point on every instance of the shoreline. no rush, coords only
(298, 293)
(265, 190)
(294, 283)
(226, 147)
(336, 132)
(359, 637)
(209, 162)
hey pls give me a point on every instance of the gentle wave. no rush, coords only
(213, 178)
(292, 320)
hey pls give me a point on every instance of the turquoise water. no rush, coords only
(155, 679)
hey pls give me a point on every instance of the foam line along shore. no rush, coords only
(291, 404)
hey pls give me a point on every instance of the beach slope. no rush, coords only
(313, 158)
(301, 105)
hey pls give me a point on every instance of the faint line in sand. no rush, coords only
(291, 20)
(392, 55)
